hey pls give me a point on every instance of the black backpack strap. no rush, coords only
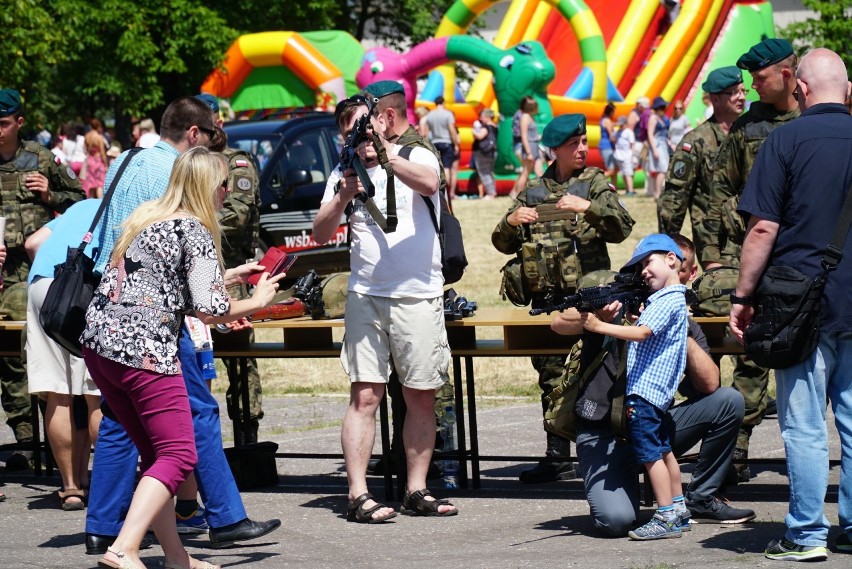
(87, 238)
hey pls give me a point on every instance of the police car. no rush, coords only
(295, 157)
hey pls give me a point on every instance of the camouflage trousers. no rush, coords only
(550, 370)
(14, 392)
(752, 382)
(232, 396)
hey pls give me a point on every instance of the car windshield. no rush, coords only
(260, 147)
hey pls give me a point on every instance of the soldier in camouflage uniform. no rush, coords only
(772, 65)
(559, 227)
(240, 221)
(35, 187)
(691, 170)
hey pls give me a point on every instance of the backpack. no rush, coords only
(712, 291)
(488, 144)
(453, 259)
(516, 125)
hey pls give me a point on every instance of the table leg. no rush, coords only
(461, 443)
(474, 433)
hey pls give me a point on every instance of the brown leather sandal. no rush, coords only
(356, 512)
(416, 504)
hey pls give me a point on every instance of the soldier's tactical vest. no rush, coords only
(24, 211)
(754, 135)
(549, 255)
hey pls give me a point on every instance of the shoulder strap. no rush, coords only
(834, 251)
(405, 152)
(87, 238)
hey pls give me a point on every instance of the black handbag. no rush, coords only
(785, 328)
(63, 313)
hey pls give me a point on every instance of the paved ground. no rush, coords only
(505, 524)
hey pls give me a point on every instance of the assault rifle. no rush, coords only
(628, 288)
(349, 158)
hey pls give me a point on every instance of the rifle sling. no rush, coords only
(387, 224)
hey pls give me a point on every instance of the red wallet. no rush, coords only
(274, 261)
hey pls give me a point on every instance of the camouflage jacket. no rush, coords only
(560, 251)
(25, 212)
(723, 227)
(240, 214)
(688, 181)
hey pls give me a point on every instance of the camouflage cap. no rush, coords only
(14, 304)
(562, 128)
(597, 278)
(381, 89)
(10, 102)
(764, 54)
(720, 79)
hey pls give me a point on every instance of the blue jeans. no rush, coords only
(801, 394)
(611, 474)
(114, 467)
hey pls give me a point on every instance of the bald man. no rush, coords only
(793, 201)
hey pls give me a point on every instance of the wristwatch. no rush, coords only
(744, 300)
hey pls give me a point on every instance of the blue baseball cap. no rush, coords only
(209, 100)
(654, 243)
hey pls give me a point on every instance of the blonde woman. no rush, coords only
(166, 264)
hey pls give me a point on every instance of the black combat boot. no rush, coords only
(556, 466)
(741, 465)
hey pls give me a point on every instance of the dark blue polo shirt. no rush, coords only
(800, 180)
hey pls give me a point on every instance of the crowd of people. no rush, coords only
(764, 187)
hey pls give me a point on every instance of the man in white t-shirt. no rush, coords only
(394, 308)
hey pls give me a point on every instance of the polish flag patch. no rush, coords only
(57, 160)
(241, 163)
(686, 147)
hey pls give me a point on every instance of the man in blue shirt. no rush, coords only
(794, 197)
(186, 123)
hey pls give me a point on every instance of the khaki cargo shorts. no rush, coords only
(409, 332)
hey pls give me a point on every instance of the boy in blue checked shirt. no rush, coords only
(656, 358)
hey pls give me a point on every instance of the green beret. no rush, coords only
(720, 79)
(764, 54)
(562, 128)
(381, 89)
(10, 102)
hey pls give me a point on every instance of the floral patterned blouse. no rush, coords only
(171, 269)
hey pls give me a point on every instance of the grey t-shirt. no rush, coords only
(440, 121)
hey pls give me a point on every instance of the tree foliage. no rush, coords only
(113, 58)
(831, 28)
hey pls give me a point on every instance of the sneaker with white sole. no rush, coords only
(716, 511)
(194, 523)
(656, 528)
(786, 550)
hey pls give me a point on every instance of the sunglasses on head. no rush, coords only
(353, 101)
